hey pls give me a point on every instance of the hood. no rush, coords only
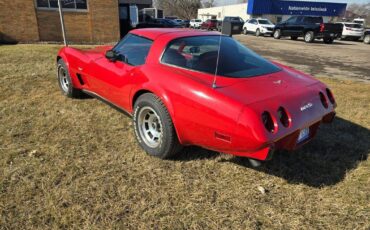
(260, 88)
(268, 26)
(96, 52)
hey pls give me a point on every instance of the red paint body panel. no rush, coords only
(225, 119)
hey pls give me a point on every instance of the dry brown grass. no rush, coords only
(75, 164)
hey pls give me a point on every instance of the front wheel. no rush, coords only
(153, 127)
(309, 37)
(367, 39)
(277, 34)
(245, 31)
(65, 81)
(258, 33)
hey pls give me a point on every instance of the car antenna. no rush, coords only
(214, 84)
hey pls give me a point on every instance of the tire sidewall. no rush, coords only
(68, 93)
(277, 34)
(311, 37)
(367, 39)
(164, 146)
(258, 33)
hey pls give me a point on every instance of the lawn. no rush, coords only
(75, 164)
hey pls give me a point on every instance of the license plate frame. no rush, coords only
(304, 134)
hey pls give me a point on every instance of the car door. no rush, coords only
(298, 26)
(251, 27)
(288, 29)
(114, 79)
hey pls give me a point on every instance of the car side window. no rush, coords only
(292, 20)
(133, 49)
(253, 21)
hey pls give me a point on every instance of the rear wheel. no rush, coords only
(309, 37)
(153, 126)
(277, 34)
(367, 39)
(65, 81)
(293, 37)
(328, 40)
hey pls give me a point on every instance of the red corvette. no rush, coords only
(186, 87)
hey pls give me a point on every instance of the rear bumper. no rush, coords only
(289, 142)
(329, 35)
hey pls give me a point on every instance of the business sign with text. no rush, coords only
(281, 7)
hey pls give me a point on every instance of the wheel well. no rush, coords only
(138, 94)
(58, 58)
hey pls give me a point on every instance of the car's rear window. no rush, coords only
(358, 26)
(201, 53)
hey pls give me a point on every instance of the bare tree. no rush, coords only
(361, 9)
(185, 9)
(208, 3)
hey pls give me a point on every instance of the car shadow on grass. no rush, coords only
(337, 149)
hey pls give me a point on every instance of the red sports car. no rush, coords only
(187, 87)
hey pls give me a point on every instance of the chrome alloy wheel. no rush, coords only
(63, 79)
(308, 37)
(150, 127)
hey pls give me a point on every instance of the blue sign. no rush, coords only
(281, 7)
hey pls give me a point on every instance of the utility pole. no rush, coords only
(62, 22)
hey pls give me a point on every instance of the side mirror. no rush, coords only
(111, 55)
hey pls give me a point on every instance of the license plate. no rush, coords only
(235, 27)
(331, 35)
(304, 134)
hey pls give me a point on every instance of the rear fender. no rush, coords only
(159, 92)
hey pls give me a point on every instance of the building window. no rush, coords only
(66, 4)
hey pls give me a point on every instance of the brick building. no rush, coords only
(85, 20)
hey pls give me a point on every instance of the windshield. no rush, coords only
(200, 53)
(264, 22)
(198, 20)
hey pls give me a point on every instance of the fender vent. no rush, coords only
(80, 78)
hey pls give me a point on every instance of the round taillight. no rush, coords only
(268, 122)
(323, 100)
(284, 117)
(330, 96)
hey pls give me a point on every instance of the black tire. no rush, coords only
(65, 81)
(328, 40)
(367, 39)
(258, 33)
(277, 34)
(245, 31)
(293, 38)
(309, 37)
(167, 144)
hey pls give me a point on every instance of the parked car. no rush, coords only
(178, 21)
(159, 23)
(353, 31)
(259, 26)
(186, 87)
(308, 27)
(210, 24)
(195, 23)
(186, 23)
(367, 37)
(237, 21)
